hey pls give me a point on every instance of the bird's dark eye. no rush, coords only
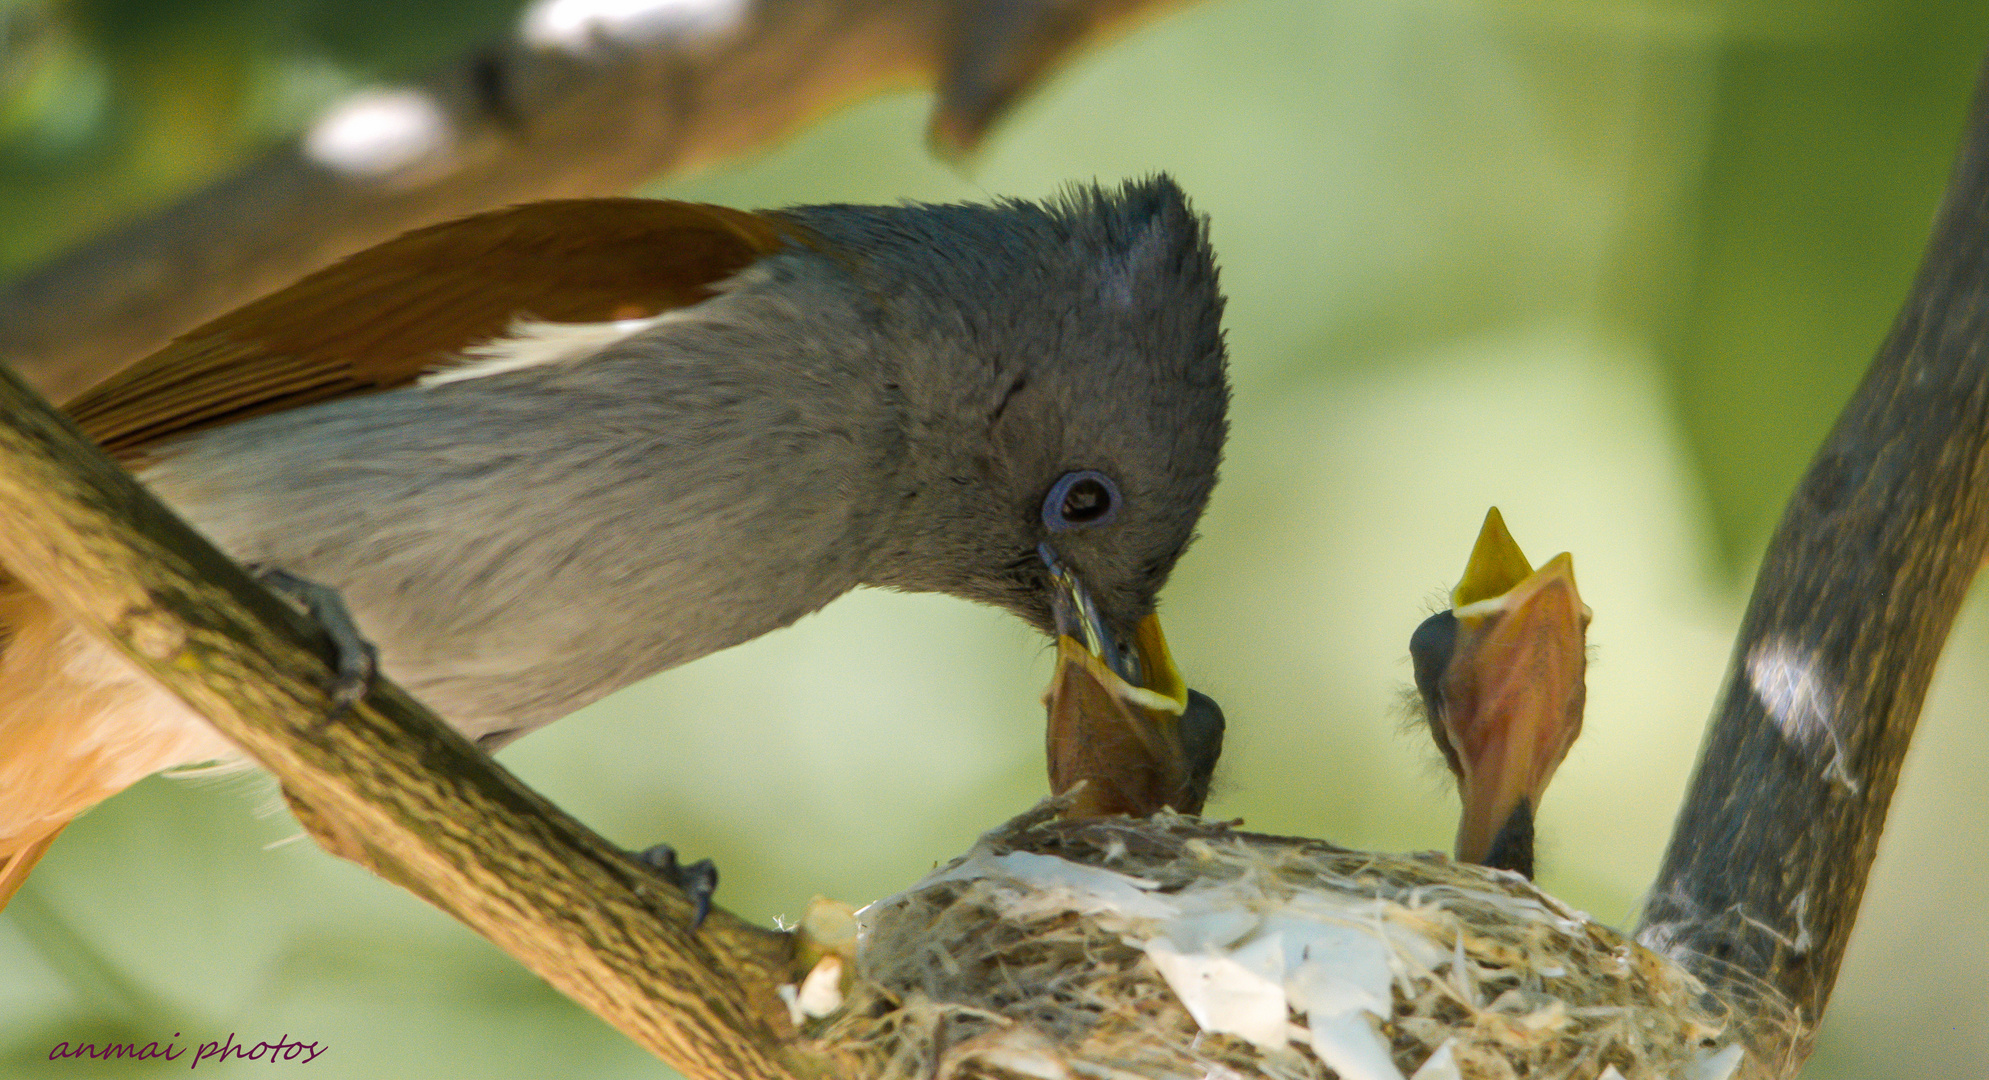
(1080, 500)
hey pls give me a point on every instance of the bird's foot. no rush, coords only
(698, 880)
(354, 659)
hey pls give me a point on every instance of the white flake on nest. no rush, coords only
(1716, 1065)
(1052, 885)
(1441, 1065)
(1039, 1064)
(819, 995)
(1235, 991)
(1241, 960)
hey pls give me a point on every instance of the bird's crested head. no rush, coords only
(1064, 388)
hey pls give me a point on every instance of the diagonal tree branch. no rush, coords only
(388, 785)
(1855, 598)
(563, 109)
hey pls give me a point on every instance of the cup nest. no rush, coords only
(1176, 947)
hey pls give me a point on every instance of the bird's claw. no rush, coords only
(699, 880)
(355, 661)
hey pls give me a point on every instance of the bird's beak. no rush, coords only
(1120, 716)
(1510, 698)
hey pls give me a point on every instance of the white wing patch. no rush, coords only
(532, 342)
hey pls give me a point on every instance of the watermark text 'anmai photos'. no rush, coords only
(284, 1049)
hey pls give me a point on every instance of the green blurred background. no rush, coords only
(1613, 266)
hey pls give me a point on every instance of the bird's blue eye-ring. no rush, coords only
(1080, 500)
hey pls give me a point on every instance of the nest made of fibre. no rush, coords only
(1176, 947)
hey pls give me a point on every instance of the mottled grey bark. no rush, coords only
(1854, 601)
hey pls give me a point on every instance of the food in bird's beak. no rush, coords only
(1501, 676)
(1120, 718)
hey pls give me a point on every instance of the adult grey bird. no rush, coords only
(543, 452)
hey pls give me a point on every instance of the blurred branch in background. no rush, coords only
(586, 98)
(1827, 146)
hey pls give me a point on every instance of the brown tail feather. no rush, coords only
(14, 869)
(77, 725)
